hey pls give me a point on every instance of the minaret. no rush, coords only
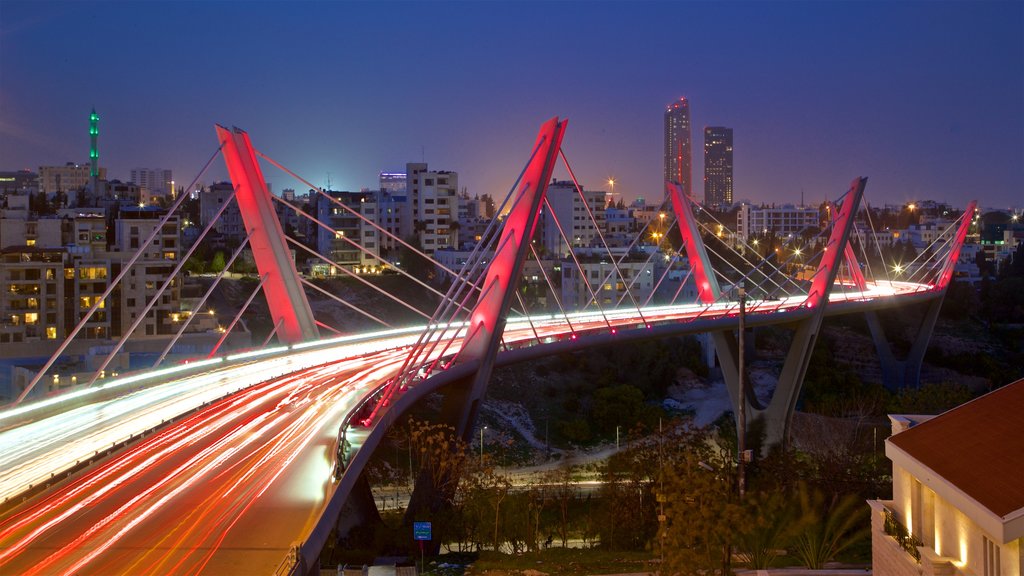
(94, 153)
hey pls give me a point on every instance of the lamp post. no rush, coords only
(741, 415)
(482, 446)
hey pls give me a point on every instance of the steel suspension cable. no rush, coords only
(600, 234)
(475, 259)
(650, 258)
(344, 303)
(238, 316)
(110, 288)
(278, 327)
(551, 286)
(351, 274)
(163, 287)
(874, 239)
(572, 253)
(358, 246)
(203, 300)
(355, 213)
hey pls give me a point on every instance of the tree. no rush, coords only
(831, 528)
(774, 522)
(562, 490)
(218, 263)
(703, 515)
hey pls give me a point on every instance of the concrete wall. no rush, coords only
(947, 533)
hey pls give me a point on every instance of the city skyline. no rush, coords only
(923, 99)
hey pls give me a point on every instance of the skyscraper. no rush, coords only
(678, 151)
(718, 166)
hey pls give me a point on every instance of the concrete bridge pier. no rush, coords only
(905, 373)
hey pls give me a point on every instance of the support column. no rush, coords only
(487, 320)
(777, 415)
(906, 373)
(285, 297)
(708, 290)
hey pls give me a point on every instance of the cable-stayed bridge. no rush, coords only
(244, 463)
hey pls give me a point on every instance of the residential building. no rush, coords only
(354, 243)
(678, 148)
(147, 276)
(431, 207)
(782, 221)
(390, 207)
(70, 176)
(154, 182)
(573, 218)
(598, 278)
(958, 501)
(229, 226)
(393, 182)
(718, 167)
(18, 182)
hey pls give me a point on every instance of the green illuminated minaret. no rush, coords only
(94, 152)
(93, 138)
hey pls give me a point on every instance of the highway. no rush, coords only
(224, 491)
(229, 488)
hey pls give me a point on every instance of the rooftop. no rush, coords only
(977, 447)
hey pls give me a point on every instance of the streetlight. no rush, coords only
(741, 412)
(481, 445)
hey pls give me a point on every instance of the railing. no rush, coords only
(901, 535)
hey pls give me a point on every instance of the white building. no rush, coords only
(572, 214)
(957, 490)
(154, 182)
(430, 208)
(70, 176)
(781, 221)
(354, 243)
(608, 281)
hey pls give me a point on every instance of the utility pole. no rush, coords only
(741, 416)
(482, 446)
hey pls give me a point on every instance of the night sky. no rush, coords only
(924, 98)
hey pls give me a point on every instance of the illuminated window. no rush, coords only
(51, 332)
(69, 273)
(88, 301)
(30, 242)
(990, 551)
(31, 318)
(51, 273)
(92, 273)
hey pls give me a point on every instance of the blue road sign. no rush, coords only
(421, 530)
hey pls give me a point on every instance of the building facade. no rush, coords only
(678, 148)
(354, 243)
(573, 216)
(65, 178)
(782, 221)
(958, 502)
(718, 167)
(431, 207)
(154, 182)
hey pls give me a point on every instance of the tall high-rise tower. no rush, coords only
(94, 151)
(678, 151)
(718, 166)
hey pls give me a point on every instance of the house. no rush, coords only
(958, 491)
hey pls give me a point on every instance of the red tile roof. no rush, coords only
(978, 447)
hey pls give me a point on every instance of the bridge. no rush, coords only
(247, 462)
